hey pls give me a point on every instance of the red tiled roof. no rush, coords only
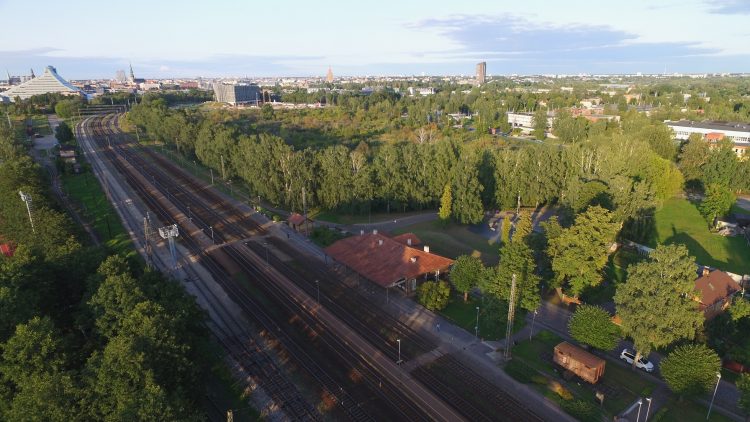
(714, 136)
(404, 239)
(385, 260)
(296, 219)
(7, 249)
(715, 286)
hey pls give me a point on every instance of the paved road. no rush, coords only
(744, 202)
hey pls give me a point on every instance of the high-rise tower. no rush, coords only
(481, 72)
(329, 75)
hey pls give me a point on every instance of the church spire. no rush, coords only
(132, 75)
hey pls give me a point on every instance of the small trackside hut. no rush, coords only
(578, 361)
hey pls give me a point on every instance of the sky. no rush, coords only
(162, 39)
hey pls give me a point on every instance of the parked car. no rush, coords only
(643, 363)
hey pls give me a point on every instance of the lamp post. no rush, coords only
(476, 327)
(26, 198)
(317, 286)
(533, 320)
(399, 361)
(718, 379)
(648, 409)
(640, 403)
(212, 234)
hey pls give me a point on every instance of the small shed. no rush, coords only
(578, 361)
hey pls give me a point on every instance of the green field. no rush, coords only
(464, 314)
(453, 240)
(679, 221)
(92, 205)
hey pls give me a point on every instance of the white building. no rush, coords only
(712, 131)
(49, 82)
(525, 121)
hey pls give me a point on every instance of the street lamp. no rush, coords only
(533, 320)
(212, 234)
(399, 361)
(26, 198)
(317, 286)
(648, 409)
(476, 327)
(640, 403)
(718, 379)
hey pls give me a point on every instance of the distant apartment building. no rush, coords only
(237, 93)
(525, 120)
(715, 131)
(481, 73)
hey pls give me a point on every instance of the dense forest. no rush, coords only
(86, 335)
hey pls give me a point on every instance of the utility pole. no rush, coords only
(169, 233)
(223, 172)
(27, 199)
(212, 176)
(147, 239)
(511, 314)
(304, 210)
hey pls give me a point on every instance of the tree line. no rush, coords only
(619, 170)
(85, 335)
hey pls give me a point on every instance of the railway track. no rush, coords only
(349, 305)
(179, 196)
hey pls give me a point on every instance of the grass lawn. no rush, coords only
(621, 385)
(687, 411)
(454, 240)
(680, 222)
(339, 218)
(464, 314)
(84, 191)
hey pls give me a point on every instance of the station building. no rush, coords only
(390, 262)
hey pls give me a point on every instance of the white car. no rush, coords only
(643, 363)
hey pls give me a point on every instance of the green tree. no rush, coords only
(267, 112)
(693, 156)
(445, 204)
(66, 109)
(466, 190)
(743, 385)
(516, 258)
(740, 308)
(434, 295)
(466, 273)
(656, 303)
(34, 349)
(717, 202)
(523, 227)
(505, 230)
(691, 370)
(593, 325)
(579, 253)
(63, 133)
(539, 123)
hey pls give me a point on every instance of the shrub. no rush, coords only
(582, 410)
(434, 295)
(520, 372)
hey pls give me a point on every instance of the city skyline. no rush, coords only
(433, 38)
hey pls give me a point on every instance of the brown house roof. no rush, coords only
(715, 286)
(404, 239)
(579, 355)
(385, 260)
